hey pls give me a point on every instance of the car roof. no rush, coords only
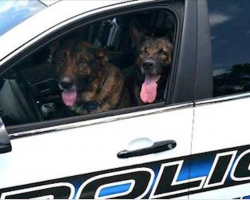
(58, 12)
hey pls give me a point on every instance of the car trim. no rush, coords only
(203, 87)
(183, 83)
(99, 121)
(48, 2)
(222, 99)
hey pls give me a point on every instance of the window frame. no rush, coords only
(86, 20)
(204, 69)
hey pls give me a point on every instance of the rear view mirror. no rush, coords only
(5, 145)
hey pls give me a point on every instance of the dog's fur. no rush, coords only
(89, 83)
(153, 62)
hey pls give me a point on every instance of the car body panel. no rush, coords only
(215, 124)
(222, 124)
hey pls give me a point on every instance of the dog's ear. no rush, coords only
(102, 56)
(53, 47)
(88, 45)
(99, 53)
(136, 33)
(105, 56)
(170, 46)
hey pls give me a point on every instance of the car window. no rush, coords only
(230, 35)
(121, 62)
(13, 12)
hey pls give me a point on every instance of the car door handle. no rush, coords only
(157, 147)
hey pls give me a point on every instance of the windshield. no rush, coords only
(13, 12)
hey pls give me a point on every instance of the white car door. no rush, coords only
(220, 153)
(80, 160)
(141, 154)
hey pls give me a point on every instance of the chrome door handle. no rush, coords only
(157, 147)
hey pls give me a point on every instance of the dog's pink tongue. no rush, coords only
(149, 89)
(69, 97)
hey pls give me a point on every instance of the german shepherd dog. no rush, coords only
(89, 83)
(153, 62)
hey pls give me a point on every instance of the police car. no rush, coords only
(194, 144)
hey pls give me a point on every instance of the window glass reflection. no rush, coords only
(230, 35)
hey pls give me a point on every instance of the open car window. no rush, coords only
(118, 63)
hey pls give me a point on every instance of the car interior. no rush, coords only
(29, 91)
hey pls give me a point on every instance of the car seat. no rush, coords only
(17, 106)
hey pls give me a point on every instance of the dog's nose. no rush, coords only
(66, 83)
(148, 64)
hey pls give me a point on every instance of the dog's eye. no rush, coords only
(83, 60)
(62, 56)
(161, 51)
(143, 51)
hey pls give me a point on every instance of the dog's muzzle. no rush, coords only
(66, 83)
(148, 64)
(69, 92)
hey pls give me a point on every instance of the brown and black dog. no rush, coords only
(153, 63)
(89, 83)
